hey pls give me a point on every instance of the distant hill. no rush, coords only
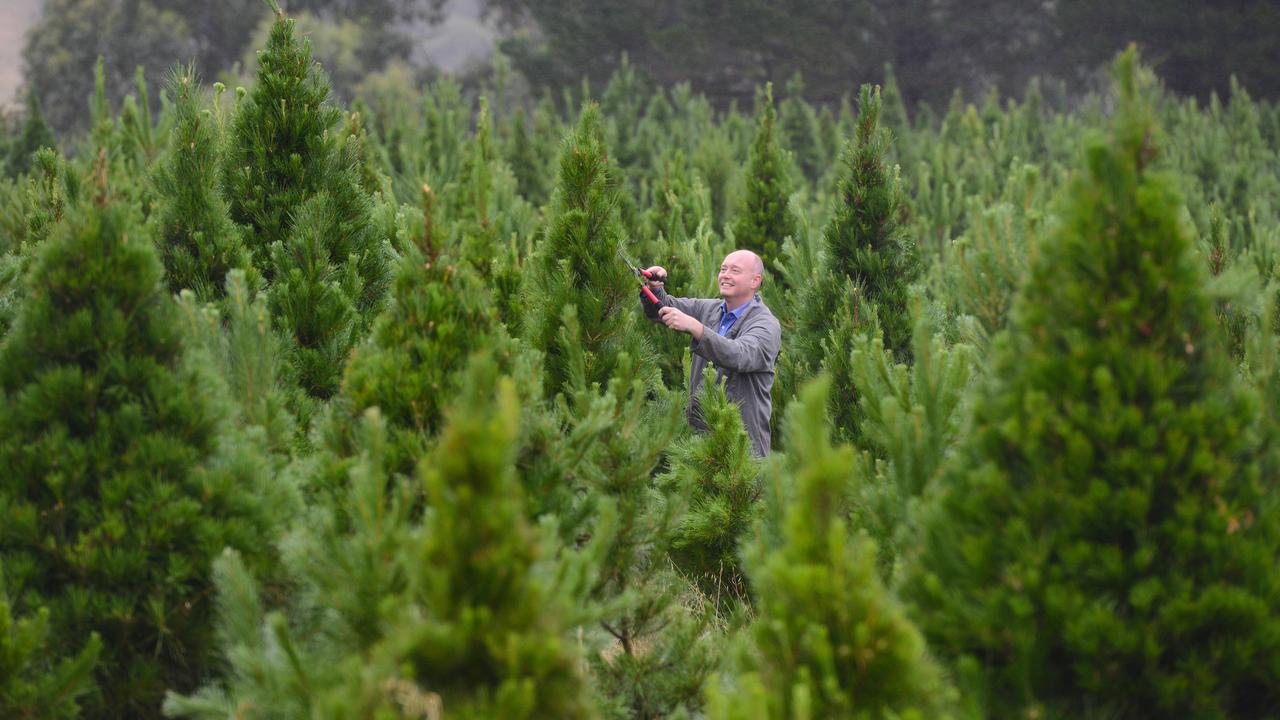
(462, 39)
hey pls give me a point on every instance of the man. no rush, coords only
(737, 334)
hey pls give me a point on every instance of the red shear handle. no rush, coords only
(649, 294)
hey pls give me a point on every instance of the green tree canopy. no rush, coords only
(1104, 544)
(116, 491)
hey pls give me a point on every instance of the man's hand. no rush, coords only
(680, 322)
(657, 276)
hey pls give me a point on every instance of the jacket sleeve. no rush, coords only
(754, 350)
(689, 306)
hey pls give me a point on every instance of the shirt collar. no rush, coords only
(724, 307)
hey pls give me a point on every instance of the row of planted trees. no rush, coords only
(313, 414)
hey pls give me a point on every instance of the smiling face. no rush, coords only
(740, 276)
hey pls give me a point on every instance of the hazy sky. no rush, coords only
(15, 17)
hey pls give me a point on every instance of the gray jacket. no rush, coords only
(744, 360)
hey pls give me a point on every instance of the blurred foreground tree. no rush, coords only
(1102, 545)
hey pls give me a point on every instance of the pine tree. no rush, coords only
(456, 613)
(140, 142)
(766, 218)
(655, 654)
(798, 123)
(280, 145)
(486, 213)
(331, 278)
(830, 641)
(865, 241)
(912, 418)
(198, 243)
(49, 190)
(529, 166)
(715, 159)
(718, 479)
(238, 342)
(310, 229)
(1104, 544)
(866, 266)
(439, 315)
(35, 134)
(119, 489)
(578, 264)
(29, 686)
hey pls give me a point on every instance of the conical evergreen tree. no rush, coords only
(865, 241)
(894, 114)
(115, 491)
(439, 315)
(331, 280)
(238, 342)
(866, 268)
(50, 189)
(912, 417)
(454, 615)
(309, 220)
(719, 479)
(766, 218)
(715, 159)
(1104, 545)
(530, 167)
(578, 264)
(281, 143)
(830, 641)
(36, 134)
(798, 123)
(198, 242)
(650, 651)
(485, 214)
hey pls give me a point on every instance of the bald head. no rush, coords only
(740, 276)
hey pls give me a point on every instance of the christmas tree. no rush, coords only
(440, 313)
(912, 417)
(830, 640)
(578, 264)
(866, 268)
(530, 166)
(1104, 544)
(719, 480)
(119, 489)
(455, 613)
(766, 217)
(49, 190)
(649, 650)
(799, 125)
(865, 241)
(198, 243)
(35, 134)
(298, 191)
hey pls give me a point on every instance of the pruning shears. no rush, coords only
(645, 276)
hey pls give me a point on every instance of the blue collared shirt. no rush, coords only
(729, 317)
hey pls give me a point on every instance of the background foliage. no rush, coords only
(346, 408)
